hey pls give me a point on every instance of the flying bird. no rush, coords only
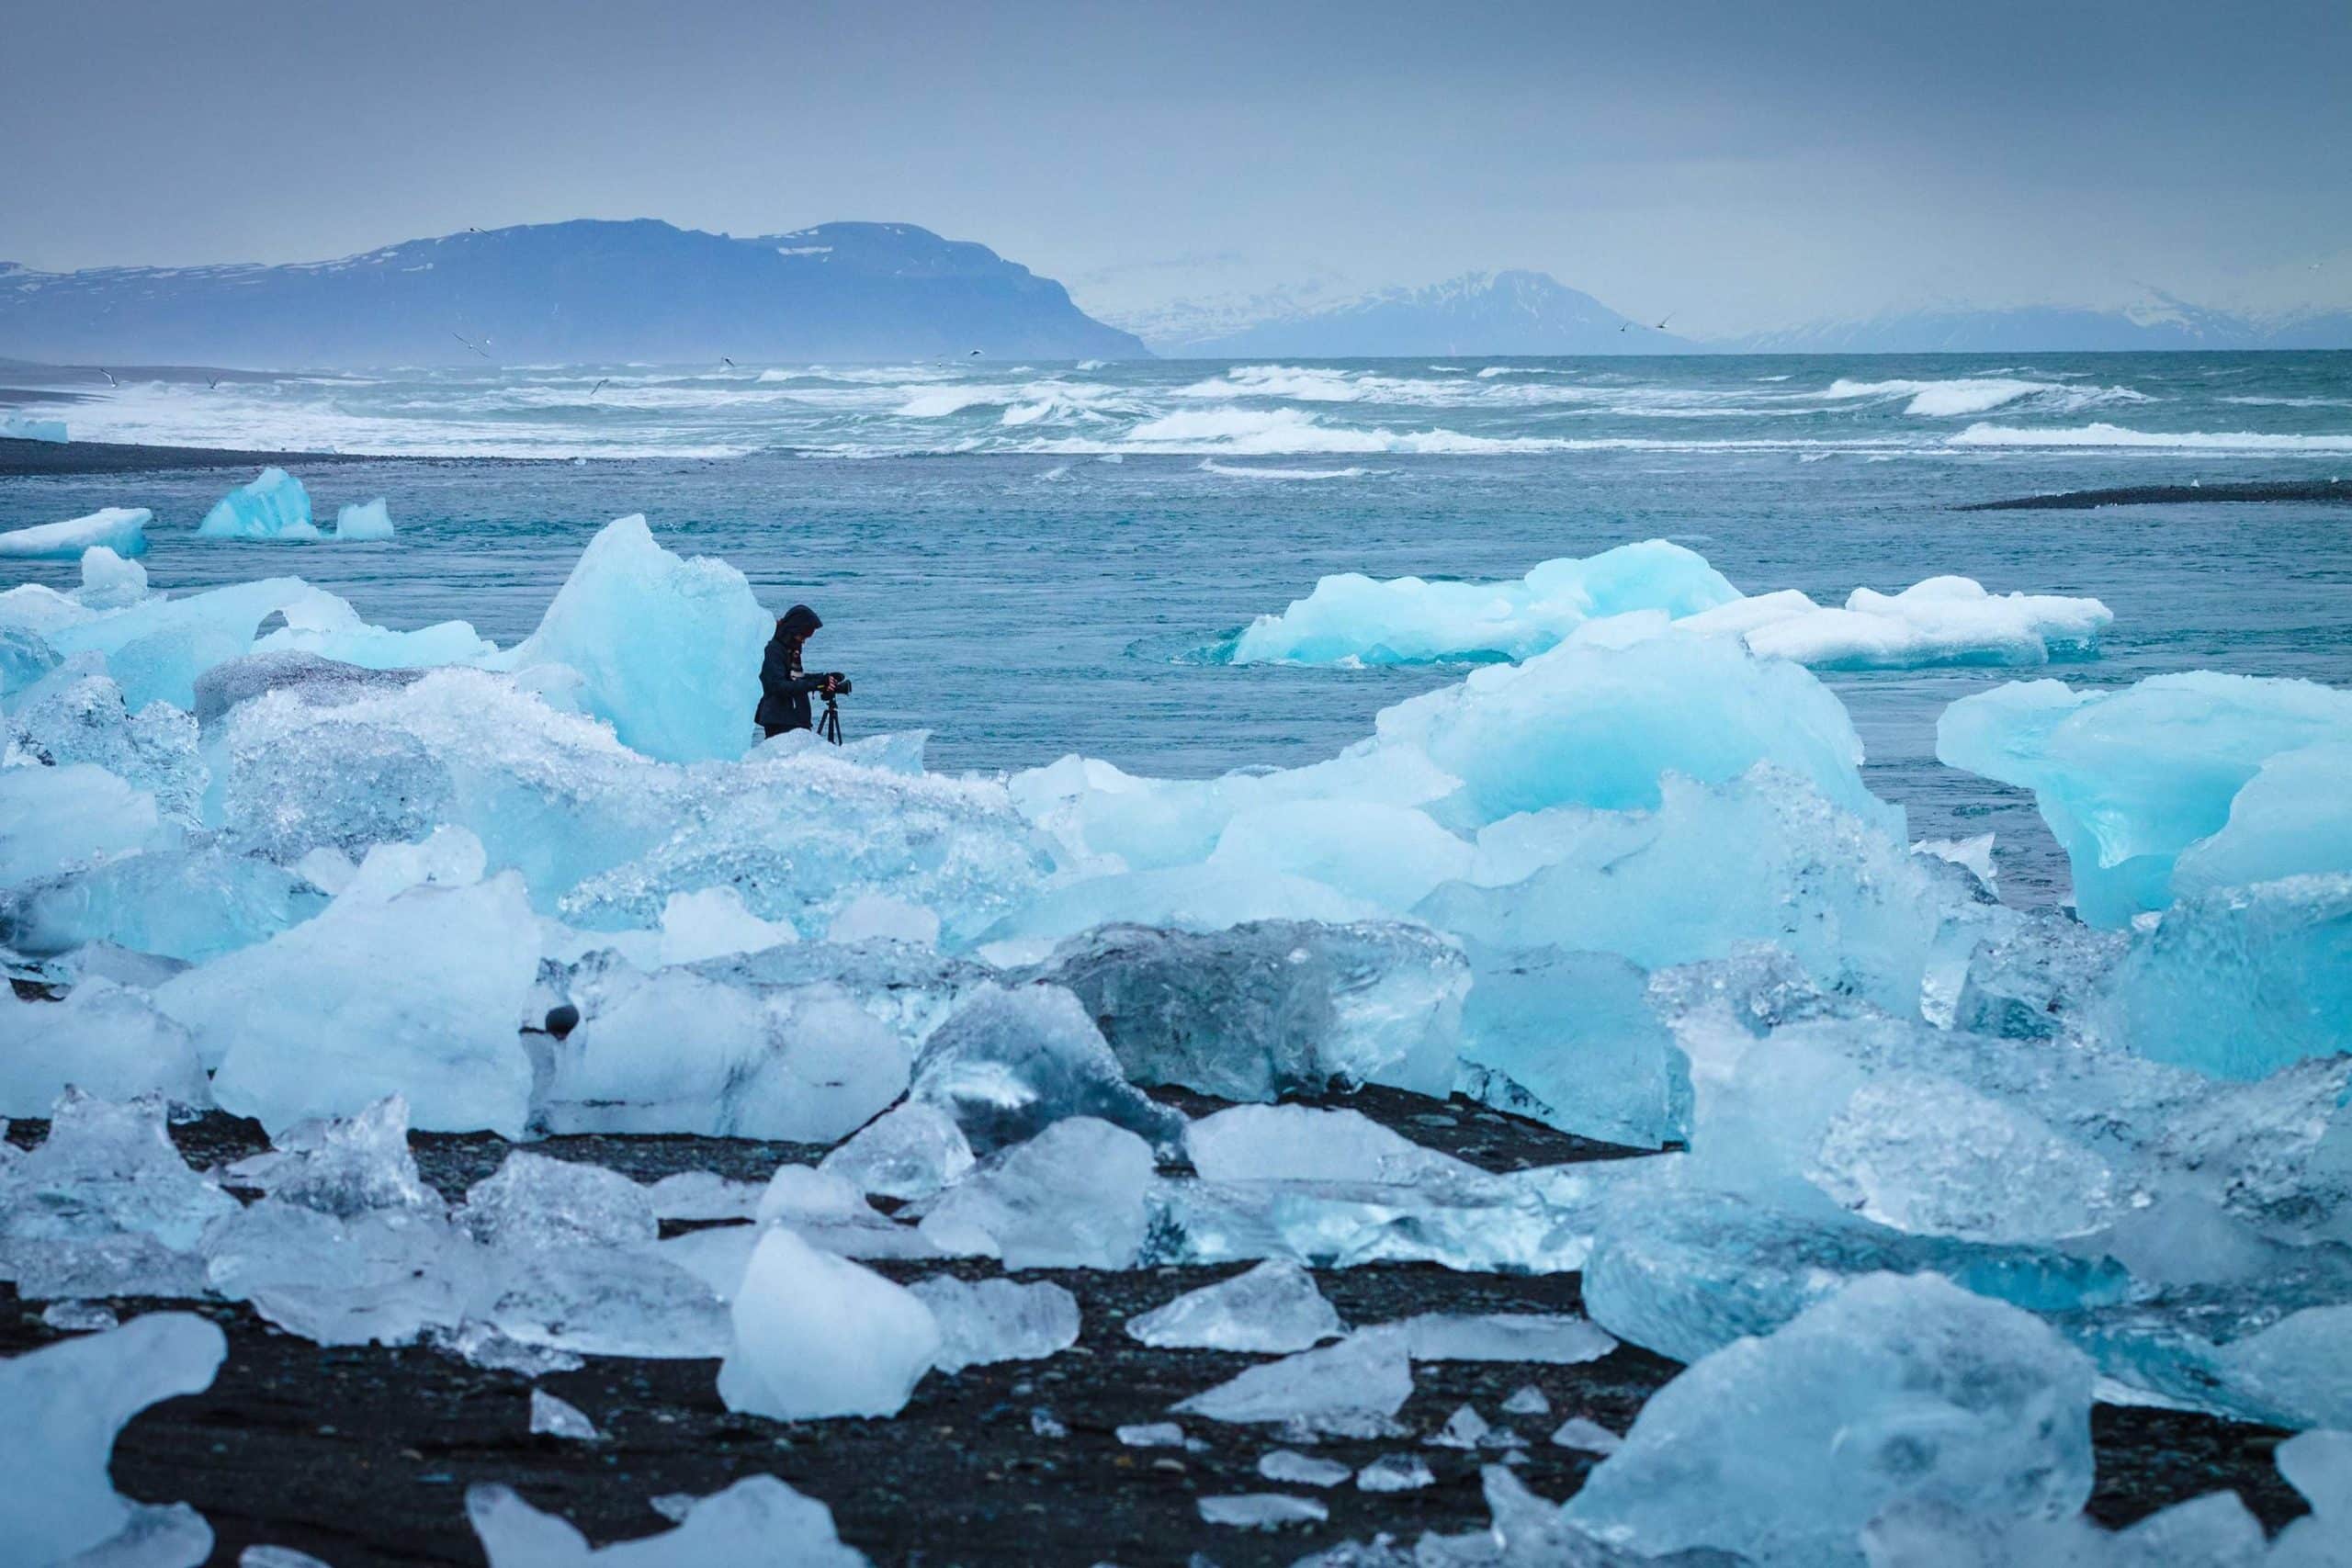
(598, 387)
(1662, 320)
(975, 354)
(727, 362)
(208, 386)
(471, 343)
(1627, 328)
(109, 376)
(471, 230)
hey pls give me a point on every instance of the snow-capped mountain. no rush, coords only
(579, 292)
(1478, 313)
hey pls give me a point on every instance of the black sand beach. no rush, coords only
(2331, 491)
(362, 1456)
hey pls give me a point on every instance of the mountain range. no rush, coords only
(2160, 324)
(1516, 313)
(583, 292)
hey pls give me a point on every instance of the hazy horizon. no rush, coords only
(1742, 172)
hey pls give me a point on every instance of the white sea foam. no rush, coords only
(2116, 435)
(1961, 396)
(1211, 464)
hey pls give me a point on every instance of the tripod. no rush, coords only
(829, 723)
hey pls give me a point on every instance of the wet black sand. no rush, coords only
(20, 459)
(363, 1456)
(2335, 491)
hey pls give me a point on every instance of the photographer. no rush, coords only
(784, 689)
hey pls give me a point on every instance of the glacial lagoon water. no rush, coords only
(1029, 560)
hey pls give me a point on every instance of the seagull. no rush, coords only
(471, 343)
(598, 387)
(1627, 328)
(1661, 322)
(471, 230)
(727, 362)
(109, 376)
(210, 385)
(975, 354)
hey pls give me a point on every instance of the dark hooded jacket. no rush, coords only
(784, 689)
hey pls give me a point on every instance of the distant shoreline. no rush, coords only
(2324, 491)
(20, 459)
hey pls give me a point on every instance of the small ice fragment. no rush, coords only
(1274, 1306)
(366, 521)
(714, 923)
(1077, 1196)
(704, 1195)
(1394, 1473)
(533, 1200)
(481, 1345)
(1153, 1435)
(1586, 1436)
(759, 1522)
(673, 1505)
(1293, 1468)
(277, 1557)
(1466, 1428)
(79, 1317)
(1366, 1374)
(912, 1151)
(118, 528)
(876, 917)
(1262, 1511)
(552, 1417)
(818, 1335)
(997, 1320)
(1043, 1423)
(1527, 1400)
(1557, 1338)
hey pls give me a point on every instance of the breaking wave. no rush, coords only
(2116, 435)
(1965, 394)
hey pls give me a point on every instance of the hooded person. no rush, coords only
(784, 689)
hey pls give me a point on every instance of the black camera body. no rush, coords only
(836, 685)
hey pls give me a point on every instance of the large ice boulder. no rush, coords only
(65, 1403)
(274, 506)
(1407, 620)
(416, 991)
(121, 529)
(667, 649)
(24, 427)
(2132, 782)
(1894, 1391)
(1273, 1006)
(1010, 1062)
(1570, 1040)
(816, 1336)
(158, 646)
(105, 1039)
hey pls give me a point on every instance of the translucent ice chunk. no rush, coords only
(704, 1195)
(1586, 1435)
(1550, 1338)
(79, 1317)
(189, 903)
(1269, 1007)
(816, 1336)
(65, 1403)
(1943, 620)
(552, 1417)
(1368, 1374)
(315, 1023)
(1395, 1473)
(1299, 1142)
(364, 521)
(667, 649)
(2130, 781)
(876, 917)
(1007, 1064)
(1894, 1390)
(75, 714)
(913, 1150)
(1077, 1196)
(381, 1277)
(801, 1063)
(52, 819)
(103, 1038)
(104, 1194)
(534, 1202)
(1262, 1510)
(116, 528)
(1569, 1039)
(759, 1522)
(1274, 1308)
(997, 1320)
(1527, 1400)
(713, 924)
(1294, 1469)
(274, 506)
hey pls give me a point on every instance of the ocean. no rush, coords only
(1029, 560)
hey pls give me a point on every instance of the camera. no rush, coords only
(836, 685)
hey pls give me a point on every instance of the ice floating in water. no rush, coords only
(121, 529)
(366, 521)
(1894, 1391)
(2142, 787)
(756, 1523)
(24, 427)
(65, 1403)
(997, 1320)
(274, 506)
(1407, 620)
(1274, 1307)
(1944, 620)
(816, 1336)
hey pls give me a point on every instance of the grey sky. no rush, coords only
(1740, 165)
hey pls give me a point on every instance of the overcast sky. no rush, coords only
(1738, 165)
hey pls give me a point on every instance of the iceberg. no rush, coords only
(1944, 620)
(24, 427)
(666, 649)
(366, 521)
(121, 529)
(816, 1336)
(1893, 1391)
(66, 1402)
(109, 580)
(274, 506)
(2132, 782)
